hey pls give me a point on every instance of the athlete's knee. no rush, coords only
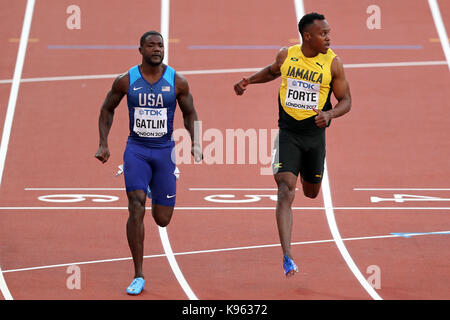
(286, 192)
(163, 221)
(311, 193)
(136, 208)
(311, 190)
(286, 182)
(162, 216)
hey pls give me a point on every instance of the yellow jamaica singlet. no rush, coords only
(306, 85)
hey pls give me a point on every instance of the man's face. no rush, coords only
(318, 35)
(152, 50)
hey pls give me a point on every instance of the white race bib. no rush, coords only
(150, 122)
(301, 94)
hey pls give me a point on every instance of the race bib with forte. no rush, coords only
(301, 94)
(150, 122)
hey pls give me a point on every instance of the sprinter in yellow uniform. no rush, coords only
(309, 73)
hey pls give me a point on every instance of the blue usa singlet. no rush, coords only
(151, 108)
(148, 157)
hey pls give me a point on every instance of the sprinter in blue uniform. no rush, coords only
(153, 90)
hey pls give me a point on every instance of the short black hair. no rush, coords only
(308, 19)
(149, 33)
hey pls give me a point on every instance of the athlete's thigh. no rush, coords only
(312, 165)
(286, 154)
(163, 182)
(136, 168)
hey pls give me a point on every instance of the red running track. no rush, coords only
(396, 136)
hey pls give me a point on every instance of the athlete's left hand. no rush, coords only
(322, 119)
(102, 154)
(196, 152)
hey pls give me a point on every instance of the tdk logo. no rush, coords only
(150, 112)
(305, 85)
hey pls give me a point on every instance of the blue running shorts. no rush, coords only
(145, 166)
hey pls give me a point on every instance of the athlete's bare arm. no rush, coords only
(118, 90)
(269, 73)
(341, 91)
(186, 103)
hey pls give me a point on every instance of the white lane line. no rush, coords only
(401, 189)
(12, 106)
(299, 13)
(233, 70)
(219, 71)
(4, 288)
(66, 189)
(326, 192)
(15, 84)
(191, 189)
(210, 251)
(63, 78)
(394, 64)
(174, 265)
(165, 18)
(233, 189)
(399, 208)
(440, 27)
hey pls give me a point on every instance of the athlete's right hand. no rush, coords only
(196, 152)
(240, 87)
(102, 154)
(322, 119)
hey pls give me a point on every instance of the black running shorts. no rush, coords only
(300, 154)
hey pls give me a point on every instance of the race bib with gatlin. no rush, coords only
(150, 122)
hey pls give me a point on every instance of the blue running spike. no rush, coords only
(136, 286)
(149, 192)
(289, 265)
